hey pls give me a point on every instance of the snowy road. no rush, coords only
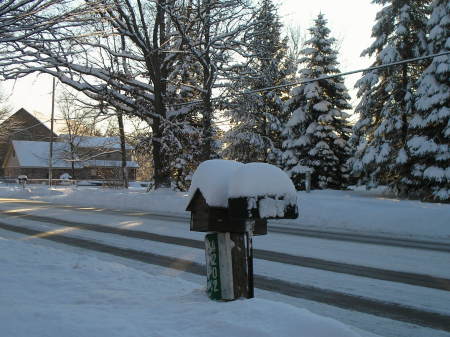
(345, 268)
(319, 275)
(283, 227)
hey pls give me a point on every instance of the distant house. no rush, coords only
(21, 126)
(81, 157)
(32, 159)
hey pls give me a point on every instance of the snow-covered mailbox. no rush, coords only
(261, 191)
(209, 199)
(233, 201)
(22, 180)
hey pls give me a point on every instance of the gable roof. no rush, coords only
(35, 154)
(24, 112)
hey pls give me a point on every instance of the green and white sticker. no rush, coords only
(218, 266)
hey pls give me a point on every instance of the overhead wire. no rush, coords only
(249, 92)
(305, 81)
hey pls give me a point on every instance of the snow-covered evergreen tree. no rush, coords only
(429, 134)
(256, 118)
(185, 150)
(387, 95)
(317, 132)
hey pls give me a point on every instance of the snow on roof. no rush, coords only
(212, 179)
(260, 179)
(218, 180)
(35, 154)
(101, 142)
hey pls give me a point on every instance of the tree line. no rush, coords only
(183, 67)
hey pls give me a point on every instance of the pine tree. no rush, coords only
(387, 95)
(428, 141)
(317, 133)
(256, 118)
(185, 135)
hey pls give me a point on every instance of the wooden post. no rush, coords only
(251, 287)
(240, 266)
(229, 265)
(308, 182)
(50, 152)
(219, 273)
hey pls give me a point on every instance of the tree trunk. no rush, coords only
(207, 131)
(158, 75)
(208, 75)
(123, 150)
(72, 155)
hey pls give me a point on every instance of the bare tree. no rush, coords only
(82, 58)
(5, 112)
(28, 20)
(78, 121)
(296, 41)
(122, 52)
(212, 31)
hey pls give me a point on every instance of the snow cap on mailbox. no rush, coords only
(212, 179)
(262, 191)
(225, 193)
(208, 197)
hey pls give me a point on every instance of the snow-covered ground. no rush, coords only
(48, 292)
(347, 211)
(59, 284)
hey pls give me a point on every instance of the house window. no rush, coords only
(93, 172)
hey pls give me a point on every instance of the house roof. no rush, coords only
(22, 111)
(96, 142)
(36, 154)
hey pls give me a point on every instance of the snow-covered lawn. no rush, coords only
(350, 211)
(48, 292)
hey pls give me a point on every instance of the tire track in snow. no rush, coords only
(415, 279)
(346, 301)
(305, 232)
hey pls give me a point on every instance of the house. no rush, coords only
(21, 126)
(31, 158)
(26, 148)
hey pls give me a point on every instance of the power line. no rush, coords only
(313, 79)
(30, 127)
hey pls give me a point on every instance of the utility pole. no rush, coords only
(50, 155)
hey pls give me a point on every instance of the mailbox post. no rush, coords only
(22, 180)
(232, 202)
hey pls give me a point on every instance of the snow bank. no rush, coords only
(136, 198)
(49, 292)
